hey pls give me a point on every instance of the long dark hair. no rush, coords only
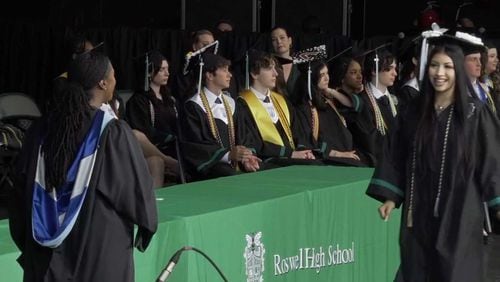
(302, 94)
(155, 60)
(427, 124)
(386, 58)
(339, 70)
(66, 119)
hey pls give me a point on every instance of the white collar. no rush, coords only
(211, 97)
(377, 93)
(413, 83)
(268, 106)
(260, 96)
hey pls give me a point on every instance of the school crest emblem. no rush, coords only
(254, 257)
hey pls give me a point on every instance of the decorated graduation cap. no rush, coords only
(306, 57)
(193, 59)
(469, 44)
(208, 62)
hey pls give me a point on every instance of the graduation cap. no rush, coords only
(307, 56)
(375, 53)
(192, 59)
(339, 54)
(427, 35)
(208, 61)
(89, 76)
(96, 48)
(152, 61)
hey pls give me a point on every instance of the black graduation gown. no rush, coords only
(447, 248)
(138, 115)
(332, 135)
(267, 151)
(406, 94)
(100, 245)
(202, 152)
(292, 82)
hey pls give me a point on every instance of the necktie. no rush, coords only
(266, 100)
(384, 100)
(218, 101)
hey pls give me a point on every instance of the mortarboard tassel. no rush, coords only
(200, 74)
(309, 72)
(376, 59)
(247, 72)
(146, 73)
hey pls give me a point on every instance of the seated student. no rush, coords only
(321, 119)
(212, 143)
(378, 113)
(268, 119)
(152, 115)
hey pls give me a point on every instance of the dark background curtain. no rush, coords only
(32, 56)
(34, 49)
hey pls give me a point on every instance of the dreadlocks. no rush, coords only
(69, 113)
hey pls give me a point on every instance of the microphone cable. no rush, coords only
(175, 259)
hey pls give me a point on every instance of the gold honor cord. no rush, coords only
(213, 125)
(379, 119)
(314, 121)
(332, 105)
(490, 101)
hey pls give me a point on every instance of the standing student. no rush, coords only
(491, 74)
(82, 184)
(473, 68)
(441, 164)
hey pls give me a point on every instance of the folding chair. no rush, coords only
(19, 110)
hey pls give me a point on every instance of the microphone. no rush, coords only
(401, 35)
(171, 264)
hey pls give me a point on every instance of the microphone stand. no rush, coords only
(175, 259)
(177, 144)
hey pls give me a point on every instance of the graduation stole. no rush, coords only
(266, 127)
(484, 88)
(213, 125)
(314, 121)
(54, 213)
